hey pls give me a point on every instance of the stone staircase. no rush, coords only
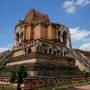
(81, 57)
(4, 58)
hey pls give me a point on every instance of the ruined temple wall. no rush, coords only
(37, 32)
(52, 32)
(43, 31)
(29, 33)
(40, 31)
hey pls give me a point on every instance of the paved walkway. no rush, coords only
(84, 87)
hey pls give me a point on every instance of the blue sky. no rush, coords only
(73, 13)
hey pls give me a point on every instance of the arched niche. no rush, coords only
(65, 36)
(17, 36)
(59, 35)
(50, 50)
(21, 34)
(29, 50)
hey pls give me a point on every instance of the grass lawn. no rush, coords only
(7, 87)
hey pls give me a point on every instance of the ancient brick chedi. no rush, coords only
(38, 26)
(43, 47)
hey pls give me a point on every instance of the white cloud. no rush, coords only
(8, 47)
(82, 2)
(71, 5)
(86, 39)
(3, 49)
(85, 47)
(78, 33)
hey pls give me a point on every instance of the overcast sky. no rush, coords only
(73, 13)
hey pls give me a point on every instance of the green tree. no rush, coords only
(87, 74)
(18, 76)
(13, 77)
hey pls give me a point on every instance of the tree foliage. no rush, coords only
(85, 73)
(18, 76)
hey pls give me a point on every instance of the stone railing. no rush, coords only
(80, 56)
